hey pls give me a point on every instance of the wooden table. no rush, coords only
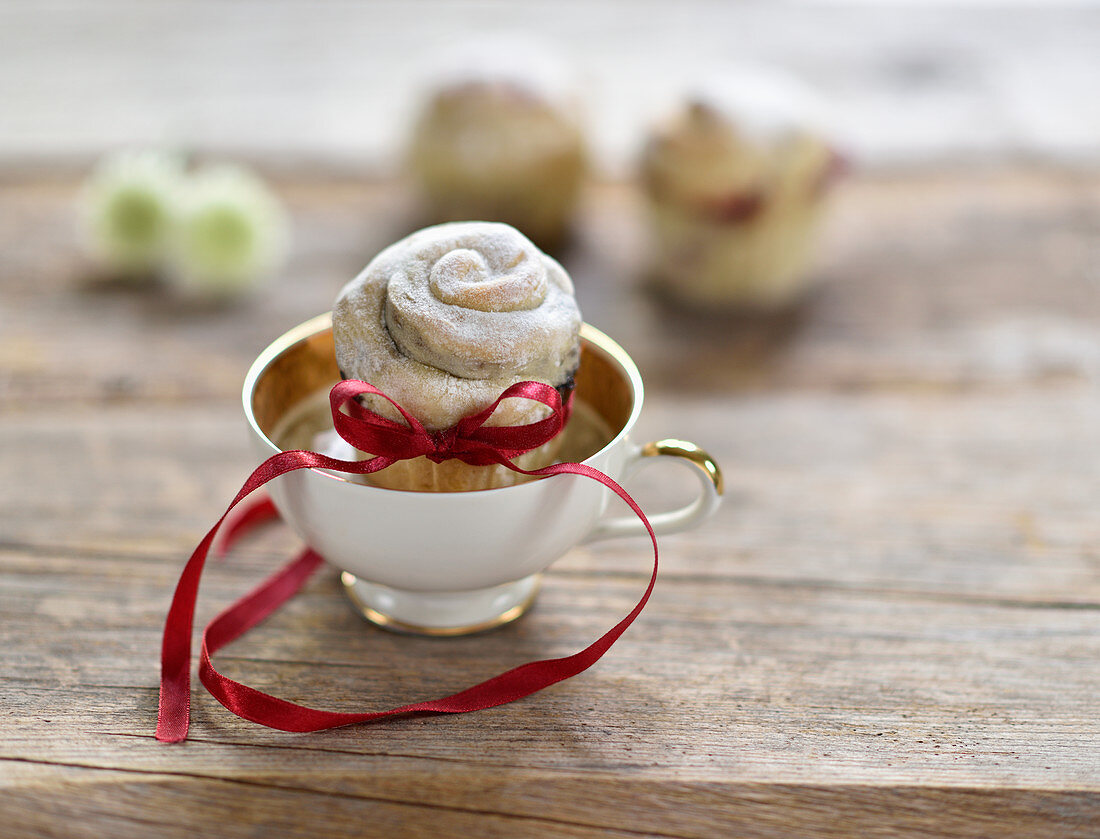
(891, 627)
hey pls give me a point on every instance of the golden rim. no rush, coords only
(348, 581)
(690, 452)
(320, 323)
(271, 352)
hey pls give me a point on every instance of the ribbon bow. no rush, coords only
(470, 441)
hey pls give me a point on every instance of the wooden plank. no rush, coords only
(905, 81)
(132, 804)
(723, 679)
(932, 282)
(984, 495)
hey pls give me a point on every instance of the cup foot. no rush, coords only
(441, 613)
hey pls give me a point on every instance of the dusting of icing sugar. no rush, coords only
(512, 59)
(765, 104)
(444, 360)
(464, 278)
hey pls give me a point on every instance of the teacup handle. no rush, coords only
(710, 492)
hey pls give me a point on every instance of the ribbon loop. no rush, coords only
(470, 441)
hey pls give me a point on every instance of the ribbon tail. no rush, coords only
(258, 512)
(273, 712)
(174, 705)
(174, 710)
(533, 676)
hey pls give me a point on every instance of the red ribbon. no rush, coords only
(470, 441)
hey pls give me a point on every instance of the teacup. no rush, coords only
(452, 563)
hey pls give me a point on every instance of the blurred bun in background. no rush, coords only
(499, 138)
(736, 180)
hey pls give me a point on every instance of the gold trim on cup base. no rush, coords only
(349, 582)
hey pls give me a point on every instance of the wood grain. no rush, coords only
(890, 628)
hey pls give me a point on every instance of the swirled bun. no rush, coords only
(444, 321)
(735, 180)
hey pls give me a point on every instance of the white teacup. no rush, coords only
(452, 563)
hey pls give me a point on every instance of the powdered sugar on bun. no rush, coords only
(447, 318)
(513, 59)
(766, 105)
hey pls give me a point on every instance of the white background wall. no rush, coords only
(310, 81)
